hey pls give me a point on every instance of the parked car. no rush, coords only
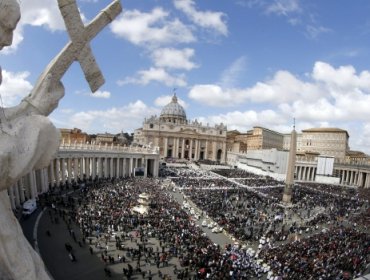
(29, 207)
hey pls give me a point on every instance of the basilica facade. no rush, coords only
(178, 138)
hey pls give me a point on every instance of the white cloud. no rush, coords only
(244, 121)
(163, 100)
(329, 96)
(160, 75)
(283, 87)
(100, 94)
(36, 13)
(214, 95)
(344, 78)
(207, 19)
(174, 58)
(284, 7)
(231, 75)
(14, 87)
(315, 31)
(42, 13)
(151, 28)
(126, 118)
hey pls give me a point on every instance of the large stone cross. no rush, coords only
(78, 49)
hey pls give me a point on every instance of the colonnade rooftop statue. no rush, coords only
(28, 139)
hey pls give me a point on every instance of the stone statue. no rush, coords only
(28, 139)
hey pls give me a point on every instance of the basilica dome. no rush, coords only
(173, 112)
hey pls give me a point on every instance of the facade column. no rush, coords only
(191, 149)
(176, 147)
(206, 151)
(183, 148)
(214, 151)
(224, 152)
(196, 157)
(165, 147)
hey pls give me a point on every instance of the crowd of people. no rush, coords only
(323, 235)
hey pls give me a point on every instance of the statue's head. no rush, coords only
(9, 16)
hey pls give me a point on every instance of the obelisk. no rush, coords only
(289, 181)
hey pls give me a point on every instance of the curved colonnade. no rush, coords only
(78, 161)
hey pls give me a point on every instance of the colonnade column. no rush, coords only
(11, 197)
(131, 168)
(17, 194)
(145, 165)
(124, 167)
(367, 180)
(93, 167)
(57, 171)
(118, 167)
(106, 167)
(100, 167)
(69, 170)
(63, 170)
(32, 179)
(51, 172)
(21, 190)
(111, 171)
(155, 168)
(75, 169)
(82, 168)
(45, 178)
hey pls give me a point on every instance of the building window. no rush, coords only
(220, 132)
(151, 125)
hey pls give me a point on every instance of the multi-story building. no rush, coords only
(74, 135)
(262, 138)
(105, 139)
(179, 138)
(258, 138)
(323, 141)
(236, 141)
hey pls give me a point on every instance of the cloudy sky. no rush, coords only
(240, 62)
